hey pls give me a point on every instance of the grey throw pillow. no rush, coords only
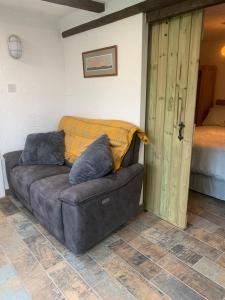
(44, 149)
(95, 162)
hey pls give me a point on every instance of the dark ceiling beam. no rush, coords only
(119, 15)
(181, 8)
(94, 6)
(156, 10)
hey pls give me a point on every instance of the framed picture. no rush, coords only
(100, 62)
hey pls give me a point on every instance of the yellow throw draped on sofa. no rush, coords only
(81, 132)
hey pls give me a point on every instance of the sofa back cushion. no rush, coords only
(80, 133)
(132, 155)
(44, 149)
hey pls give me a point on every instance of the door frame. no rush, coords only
(177, 8)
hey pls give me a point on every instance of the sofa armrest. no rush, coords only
(81, 193)
(11, 161)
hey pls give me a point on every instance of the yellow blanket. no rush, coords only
(80, 133)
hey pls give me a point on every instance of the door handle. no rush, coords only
(181, 129)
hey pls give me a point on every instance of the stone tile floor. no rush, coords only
(147, 259)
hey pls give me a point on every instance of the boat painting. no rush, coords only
(100, 62)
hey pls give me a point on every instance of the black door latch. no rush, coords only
(181, 128)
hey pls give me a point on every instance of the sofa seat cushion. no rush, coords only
(45, 204)
(23, 176)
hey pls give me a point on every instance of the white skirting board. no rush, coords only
(3, 184)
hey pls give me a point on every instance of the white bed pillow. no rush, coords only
(215, 117)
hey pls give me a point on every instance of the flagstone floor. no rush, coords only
(147, 259)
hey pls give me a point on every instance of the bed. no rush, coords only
(208, 154)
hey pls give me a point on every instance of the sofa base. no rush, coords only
(80, 215)
(45, 223)
(21, 200)
(87, 224)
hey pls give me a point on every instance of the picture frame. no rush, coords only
(100, 62)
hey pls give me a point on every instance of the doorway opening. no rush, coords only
(207, 178)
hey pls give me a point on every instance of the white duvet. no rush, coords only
(208, 156)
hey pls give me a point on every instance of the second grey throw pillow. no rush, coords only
(95, 162)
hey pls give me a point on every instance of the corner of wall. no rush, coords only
(145, 31)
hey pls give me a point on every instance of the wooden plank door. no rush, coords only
(174, 49)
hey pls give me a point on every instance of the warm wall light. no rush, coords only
(15, 46)
(223, 51)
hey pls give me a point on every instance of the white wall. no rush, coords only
(211, 55)
(118, 97)
(39, 75)
(111, 6)
(122, 97)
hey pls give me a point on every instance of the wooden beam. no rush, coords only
(89, 5)
(119, 15)
(156, 11)
(180, 8)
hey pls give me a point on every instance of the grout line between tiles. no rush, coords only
(80, 275)
(165, 271)
(115, 280)
(57, 252)
(29, 250)
(188, 234)
(20, 280)
(34, 254)
(138, 273)
(223, 251)
(66, 263)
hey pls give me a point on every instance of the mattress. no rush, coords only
(208, 154)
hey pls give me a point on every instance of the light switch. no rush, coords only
(11, 88)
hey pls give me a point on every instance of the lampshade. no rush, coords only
(223, 51)
(15, 46)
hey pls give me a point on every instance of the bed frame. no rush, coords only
(205, 184)
(205, 92)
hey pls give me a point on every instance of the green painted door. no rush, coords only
(174, 48)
